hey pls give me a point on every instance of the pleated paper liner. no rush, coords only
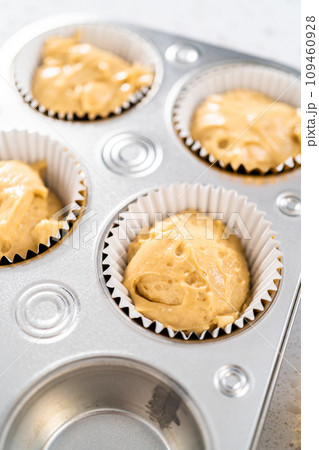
(262, 253)
(115, 39)
(63, 175)
(275, 83)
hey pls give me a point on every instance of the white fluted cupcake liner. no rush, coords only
(115, 39)
(63, 175)
(261, 249)
(275, 83)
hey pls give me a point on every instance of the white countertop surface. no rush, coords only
(267, 28)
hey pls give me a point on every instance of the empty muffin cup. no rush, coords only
(241, 217)
(57, 173)
(97, 401)
(114, 39)
(223, 80)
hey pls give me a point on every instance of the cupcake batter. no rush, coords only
(186, 275)
(26, 208)
(80, 78)
(227, 120)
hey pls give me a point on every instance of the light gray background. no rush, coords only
(267, 28)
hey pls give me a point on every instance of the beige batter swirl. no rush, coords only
(26, 208)
(186, 275)
(227, 121)
(80, 78)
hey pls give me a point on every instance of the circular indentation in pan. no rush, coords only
(289, 203)
(181, 53)
(116, 39)
(105, 402)
(276, 83)
(46, 310)
(131, 154)
(232, 381)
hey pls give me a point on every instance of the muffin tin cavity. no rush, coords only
(275, 83)
(105, 400)
(260, 247)
(116, 39)
(63, 175)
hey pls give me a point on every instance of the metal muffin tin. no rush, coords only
(78, 373)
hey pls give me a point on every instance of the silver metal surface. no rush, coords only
(101, 328)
